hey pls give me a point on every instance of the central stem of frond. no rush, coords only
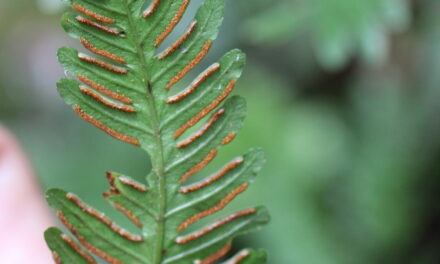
(157, 159)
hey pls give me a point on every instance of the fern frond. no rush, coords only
(124, 86)
(338, 29)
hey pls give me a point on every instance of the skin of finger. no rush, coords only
(24, 215)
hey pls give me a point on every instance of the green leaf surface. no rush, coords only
(125, 83)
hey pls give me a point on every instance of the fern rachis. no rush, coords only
(124, 87)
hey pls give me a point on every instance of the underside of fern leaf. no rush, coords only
(124, 85)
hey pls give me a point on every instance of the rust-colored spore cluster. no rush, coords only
(191, 65)
(206, 160)
(129, 214)
(115, 191)
(176, 19)
(151, 9)
(56, 257)
(78, 249)
(179, 41)
(103, 64)
(85, 243)
(199, 133)
(103, 127)
(228, 139)
(110, 30)
(193, 121)
(100, 88)
(222, 204)
(135, 185)
(178, 97)
(205, 182)
(92, 14)
(217, 255)
(102, 100)
(101, 217)
(215, 225)
(101, 52)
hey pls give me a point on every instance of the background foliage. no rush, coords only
(352, 136)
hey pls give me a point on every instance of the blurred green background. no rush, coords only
(344, 95)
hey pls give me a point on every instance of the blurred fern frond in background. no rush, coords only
(337, 29)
